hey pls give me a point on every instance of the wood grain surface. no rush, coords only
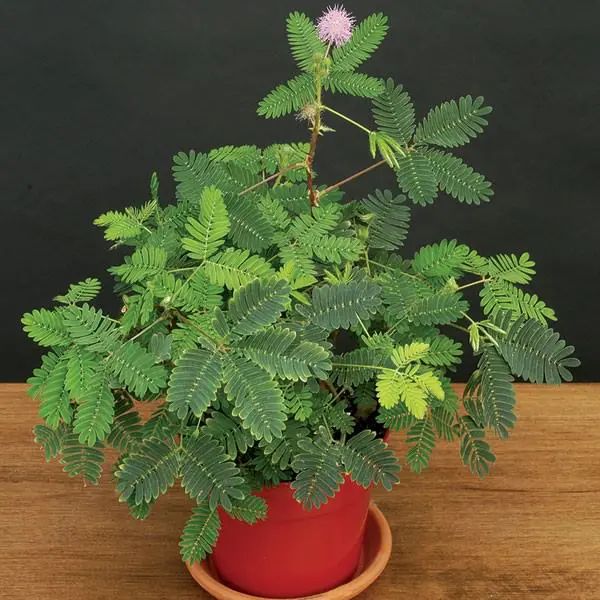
(530, 530)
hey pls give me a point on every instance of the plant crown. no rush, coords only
(235, 298)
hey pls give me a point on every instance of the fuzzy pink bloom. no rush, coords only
(335, 25)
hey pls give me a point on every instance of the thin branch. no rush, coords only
(352, 177)
(468, 285)
(347, 119)
(271, 177)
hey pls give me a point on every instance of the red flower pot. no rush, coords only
(294, 552)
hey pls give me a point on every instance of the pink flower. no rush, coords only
(335, 25)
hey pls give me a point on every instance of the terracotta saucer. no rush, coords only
(375, 555)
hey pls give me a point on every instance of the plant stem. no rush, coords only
(143, 331)
(459, 327)
(271, 177)
(314, 138)
(467, 285)
(346, 118)
(352, 177)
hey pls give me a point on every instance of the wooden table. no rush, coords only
(530, 530)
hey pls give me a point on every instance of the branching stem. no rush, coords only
(364, 171)
(346, 118)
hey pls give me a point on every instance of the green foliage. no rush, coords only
(234, 268)
(95, 413)
(393, 112)
(199, 534)
(318, 472)
(368, 460)
(51, 440)
(496, 392)
(134, 367)
(354, 84)
(84, 291)
(445, 259)
(511, 268)
(438, 309)
(475, 452)
(229, 433)
(421, 439)
(89, 327)
(257, 304)
(304, 41)
(458, 179)
(498, 296)
(269, 321)
(194, 382)
(443, 352)
(452, 123)
(416, 178)
(534, 352)
(388, 219)
(80, 459)
(55, 406)
(257, 398)
(207, 232)
(281, 354)
(250, 510)
(208, 474)
(148, 472)
(287, 97)
(366, 38)
(341, 305)
(143, 264)
(46, 328)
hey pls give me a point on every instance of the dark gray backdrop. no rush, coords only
(95, 95)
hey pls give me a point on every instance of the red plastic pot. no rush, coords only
(294, 552)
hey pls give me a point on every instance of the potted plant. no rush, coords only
(278, 331)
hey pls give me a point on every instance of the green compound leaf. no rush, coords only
(288, 97)
(134, 367)
(366, 38)
(304, 41)
(354, 84)
(416, 178)
(46, 328)
(421, 438)
(250, 510)
(459, 180)
(84, 291)
(369, 461)
(394, 114)
(235, 268)
(319, 475)
(51, 440)
(257, 398)
(208, 474)
(474, 450)
(452, 123)
(496, 392)
(342, 305)
(95, 412)
(388, 219)
(144, 263)
(148, 472)
(209, 230)
(278, 351)
(80, 459)
(534, 352)
(194, 382)
(200, 534)
(258, 304)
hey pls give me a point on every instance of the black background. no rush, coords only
(96, 95)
